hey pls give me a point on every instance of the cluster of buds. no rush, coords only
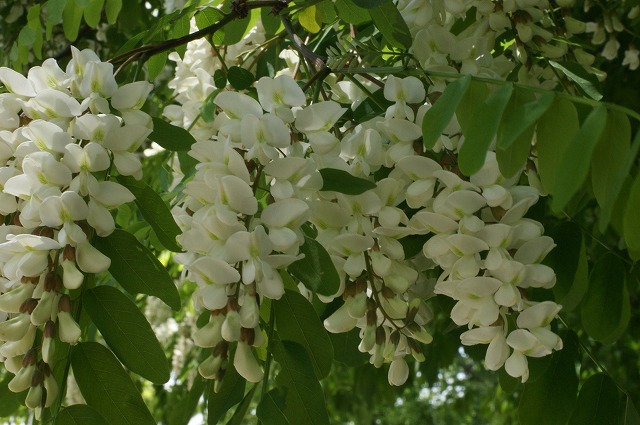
(58, 134)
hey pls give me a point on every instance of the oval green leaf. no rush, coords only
(555, 130)
(550, 399)
(605, 309)
(437, 118)
(316, 270)
(171, 137)
(574, 165)
(154, 211)
(231, 392)
(106, 386)
(392, 25)
(598, 402)
(136, 268)
(240, 78)
(127, 332)
(304, 400)
(343, 182)
(482, 129)
(523, 112)
(80, 414)
(298, 322)
(631, 221)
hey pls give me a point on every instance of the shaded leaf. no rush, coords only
(523, 112)
(569, 260)
(171, 137)
(156, 64)
(183, 410)
(475, 95)
(392, 25)
(304, 397)
(556, 128)
(106, 387)
(231, 392)
(587, 82)
(343, 182)
(136, 269)
(298, 322)
(270, 410)
(80, 414)
(154, 211)
(574, 164)
(482, 129)
(597, 403)
(551, 398)
(369, 4)
(351, 13)
(617, 184)
(606, 309)
(316, 270)
(243, 407)
(112, 9)
(240, 78)
(345, 348)
(437, 118)
(611, 151)
(631, 221)
(127, 332)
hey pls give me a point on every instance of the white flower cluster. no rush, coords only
(236, 245)
(58, 142)
(439, 46)
(607, 31)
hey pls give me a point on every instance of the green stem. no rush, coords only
(267, 364)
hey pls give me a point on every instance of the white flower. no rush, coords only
(403, 91)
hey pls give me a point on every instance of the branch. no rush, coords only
(236, 12)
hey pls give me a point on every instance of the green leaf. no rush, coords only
(550, 399)
(475, 95)
(523, 112)
(309, 18)
(127, 332)
(179, 28)
(270, 21)
(555, 130)
(326, 12)
(391, 24)
(154, 211)
(617, 184)
(207, 17)
(298, 322)
(345, 348)
(240, 78)
(512, 159)
(351, 13)
(598, 402)
(80, 414)
(219, 79)
(316, 270)
(369, 4)
(611, 151)
(606, 309)
(482, 130)
(171, 137)
(235, 30)
(574, 165)
(438, 117)
(10, 402)
(92, 12)
(231, 393)
(243, 407)
(136, 268)
(343, 182)
(587, 82)
(71, 19)
(156, 64)
(113, 8)
(304, 397)
(270, 410)
(630, 415)
(569, 260)
(631, 221)
(106, 387)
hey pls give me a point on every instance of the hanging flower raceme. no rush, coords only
(55, 156)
